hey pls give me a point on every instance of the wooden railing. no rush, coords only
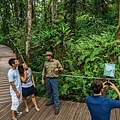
(14, 47)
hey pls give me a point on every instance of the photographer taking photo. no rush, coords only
(99, 106)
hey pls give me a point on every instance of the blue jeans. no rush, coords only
(52, 89)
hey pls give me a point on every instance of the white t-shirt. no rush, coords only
(13, 76)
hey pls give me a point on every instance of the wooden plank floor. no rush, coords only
(68, 111)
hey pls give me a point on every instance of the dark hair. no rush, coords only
(96, 86)
(21, 69)
(11, 61)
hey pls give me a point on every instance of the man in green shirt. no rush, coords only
(51, 70)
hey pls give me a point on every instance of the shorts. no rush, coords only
(15, 101)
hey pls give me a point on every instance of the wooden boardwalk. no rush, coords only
(68, 110)
(5, 54)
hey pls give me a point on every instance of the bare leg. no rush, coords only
(13, 114)
(26, 105)
(34, 102)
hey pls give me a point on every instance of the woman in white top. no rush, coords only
(28, 85)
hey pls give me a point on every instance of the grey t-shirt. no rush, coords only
(29, 79)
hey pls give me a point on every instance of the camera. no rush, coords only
(108, 83)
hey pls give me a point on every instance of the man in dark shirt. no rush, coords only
(99, 106)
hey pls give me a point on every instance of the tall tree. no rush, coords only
(100, 7)
(118, 32)
(28, 27)
(83, 4)
(51, 8)
(70, 13)
(119, 15)
(5, 17)
(16, 8)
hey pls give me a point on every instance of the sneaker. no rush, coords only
(18, 113)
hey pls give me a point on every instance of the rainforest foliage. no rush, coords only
(82, 34)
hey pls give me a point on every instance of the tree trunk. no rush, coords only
(45, 13)
(118, 32)
(16, 13)
(16, 8)
(73, 15)
(33, 9)
(28, 28)
(51, 8)
(100, 8)
(6, 18)
(83, 5)
(119, 15)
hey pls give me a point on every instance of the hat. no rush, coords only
(49, 53)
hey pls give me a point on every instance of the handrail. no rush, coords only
(89, 77)
(17, 50)
(73, 76)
